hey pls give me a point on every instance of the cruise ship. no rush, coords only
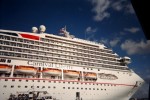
(65, 67)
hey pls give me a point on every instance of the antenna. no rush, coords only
(65, 28)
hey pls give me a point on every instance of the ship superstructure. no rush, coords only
(66, 67)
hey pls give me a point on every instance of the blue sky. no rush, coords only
(112, 22)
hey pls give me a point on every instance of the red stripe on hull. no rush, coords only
(28, 36)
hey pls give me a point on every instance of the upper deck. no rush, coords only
(57, 49)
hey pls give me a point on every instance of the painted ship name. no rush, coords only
(48, 65)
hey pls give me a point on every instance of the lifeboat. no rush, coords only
(90, 75)
(25, 69)
(71, 73)
(51, 71)
(5, 69)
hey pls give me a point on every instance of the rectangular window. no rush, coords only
(5, 86)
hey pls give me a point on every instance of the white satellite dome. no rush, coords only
(42, 28)
(34, 29)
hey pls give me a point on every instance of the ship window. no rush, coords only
(13, 80)
(26, 86)
(49, 87)
(54, 87)
(37, 86)
(43, 87)
(8, 38)
(20, 40)
(68, 87)
(19, 86)
(63, 87)
(89, 88)
(5, 86)
(12, 86)
(6, 79)
(1, 42)
(1, 37)
(97, 88)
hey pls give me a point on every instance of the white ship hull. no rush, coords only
(122, 88)
(67, 90)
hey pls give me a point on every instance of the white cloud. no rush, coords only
(114, 42)
(129, 9)
(132, 29)
(104, 41)
(123, 5)
(90, 30)
(118, 6)
(100, 8)
(109, 43)
(132, 47)
(90, 33)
